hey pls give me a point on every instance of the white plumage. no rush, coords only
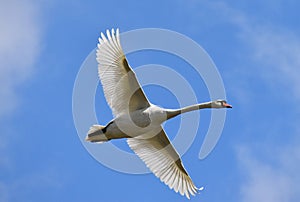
(161, 158)
(139, 120)
(118, 80)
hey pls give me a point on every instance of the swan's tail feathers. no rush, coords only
(95, 134)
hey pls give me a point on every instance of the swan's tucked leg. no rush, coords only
(100, 134)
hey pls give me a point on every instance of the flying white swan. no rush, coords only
(139, 120)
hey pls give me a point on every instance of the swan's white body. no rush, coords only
(136, 123)
(139, 120)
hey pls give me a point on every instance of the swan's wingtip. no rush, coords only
(108, 33)
(199, 190)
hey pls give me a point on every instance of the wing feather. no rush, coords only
(162, 159)
(121, 88)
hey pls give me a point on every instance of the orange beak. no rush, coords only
(227, 105)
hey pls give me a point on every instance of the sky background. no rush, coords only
(255, 46)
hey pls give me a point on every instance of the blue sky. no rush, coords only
(254, 44)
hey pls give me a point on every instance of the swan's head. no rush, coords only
(220, 104)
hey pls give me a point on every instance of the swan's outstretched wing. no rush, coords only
(162, 159)
(121, 88)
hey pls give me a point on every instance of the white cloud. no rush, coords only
(272, 178)
(270, 170)
(276, 52)
(20, 37)
(274, 49)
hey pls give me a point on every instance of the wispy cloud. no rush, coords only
(273, 49)
(277, 53)
(20, 39)
(271, 178)
(270, 50)
(269, 55)
(270, 168)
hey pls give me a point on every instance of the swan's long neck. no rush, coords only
(172, 113)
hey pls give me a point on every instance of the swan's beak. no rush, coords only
(227, 105)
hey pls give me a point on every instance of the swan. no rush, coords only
(137, 119)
